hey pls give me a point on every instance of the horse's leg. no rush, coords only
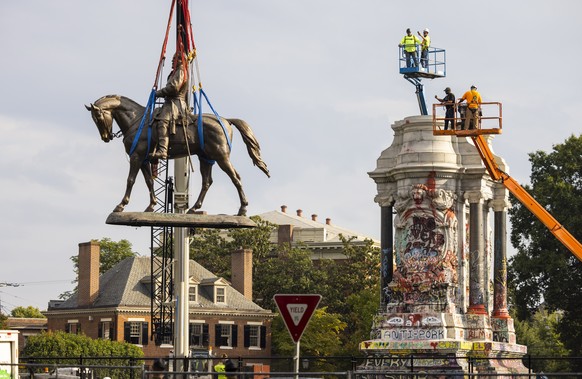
(227, 167)
(134, 165)
(206, 173)
(147, 175)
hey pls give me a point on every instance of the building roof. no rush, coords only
(309, 230)
(26, 323)
(127, 284)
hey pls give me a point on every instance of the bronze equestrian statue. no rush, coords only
(128, 115)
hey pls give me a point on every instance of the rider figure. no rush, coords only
(175, 107)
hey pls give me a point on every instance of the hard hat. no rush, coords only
(447, 89)
(426, 30)
(473, 87)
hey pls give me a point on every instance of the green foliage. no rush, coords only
(290, 271)
(212, 249)
(321, 338)
(542, 338)
(3, 319)
(28, 312)
(350, 289)
(111, 253)
(543, 271)
(69, 347)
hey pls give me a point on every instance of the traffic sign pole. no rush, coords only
(296, 311)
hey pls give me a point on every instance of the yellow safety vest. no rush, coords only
(409, 43)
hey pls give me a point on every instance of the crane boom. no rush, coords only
(526, 199)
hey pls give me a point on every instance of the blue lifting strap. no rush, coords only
(198, 102)
(149, 112)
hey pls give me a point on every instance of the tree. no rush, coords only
(3, 319)
(543, 271)
(542, 338)
(28, 312)
(69, 347)
(110, 254)
(349, 288)
(321, 338)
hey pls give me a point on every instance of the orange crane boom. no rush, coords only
(526, 199)
(499, 175)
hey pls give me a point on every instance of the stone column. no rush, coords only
(500, 259)
(476, 254)
(387, 250)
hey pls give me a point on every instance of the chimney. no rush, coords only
(242, 272)
(328, 221)
(285, 234)
(299, 212)
(284, 208)
(88, 281)
(313, 217)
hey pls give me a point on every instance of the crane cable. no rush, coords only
(192, 55)
(149, 111)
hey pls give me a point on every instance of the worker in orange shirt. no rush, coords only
(473, 99)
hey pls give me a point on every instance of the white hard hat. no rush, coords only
(426, 30)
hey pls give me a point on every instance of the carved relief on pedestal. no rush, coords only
(425, 247)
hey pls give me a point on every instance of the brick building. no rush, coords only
(117, 305)
(26, 327)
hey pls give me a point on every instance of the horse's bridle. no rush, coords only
(104, 123)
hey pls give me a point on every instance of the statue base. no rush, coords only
(441, 343)
(185, 220)
(441, 358)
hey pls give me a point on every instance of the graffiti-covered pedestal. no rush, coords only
(444, 299)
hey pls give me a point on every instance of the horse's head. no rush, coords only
(104, 121)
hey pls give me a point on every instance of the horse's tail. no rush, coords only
(252, 144)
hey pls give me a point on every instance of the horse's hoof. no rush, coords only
(118, 208)
(242, 212)
(149, 209)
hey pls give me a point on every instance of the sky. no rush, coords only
(317, 80)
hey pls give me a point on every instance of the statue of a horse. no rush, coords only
(128, 115)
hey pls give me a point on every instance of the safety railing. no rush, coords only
(450, 119)
(432, 66)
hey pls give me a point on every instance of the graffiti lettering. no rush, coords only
(413, 334)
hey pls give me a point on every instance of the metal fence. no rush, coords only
(341, 367)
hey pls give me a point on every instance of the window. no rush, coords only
(136, 332)
(192, 293)
(106, 331)
(226, 335)
(220, 295)
(73, 327)
(198, 335)
(255, 336)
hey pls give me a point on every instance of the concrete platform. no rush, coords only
(179, 220)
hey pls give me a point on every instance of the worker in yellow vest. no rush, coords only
(220, 367)
(424, 45)
(409, 44)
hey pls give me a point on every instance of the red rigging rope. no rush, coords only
(188, 23)
(165, 44)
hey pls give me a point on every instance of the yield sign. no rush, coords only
(296, 311)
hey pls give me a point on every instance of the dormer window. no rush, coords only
(220, 294)
(193, 290)
(193, 293)
(216, 288)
